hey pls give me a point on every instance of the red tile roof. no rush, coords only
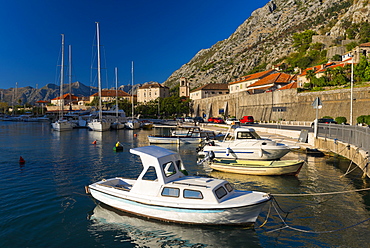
(257, 75)
(112, 93)
(152, 85)
(365, 44)
(67, 96)
(212, 86)
(276, 78)
(292, 85)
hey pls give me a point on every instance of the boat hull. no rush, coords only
(174, 140)
(99, 126)
(252, 153)
(62, 125)
(276, 168)
(245, 215)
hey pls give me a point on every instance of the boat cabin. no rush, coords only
(241, 133)
(164, 175)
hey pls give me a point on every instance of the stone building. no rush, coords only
(184, 89)
(209, 90)
(151, 91)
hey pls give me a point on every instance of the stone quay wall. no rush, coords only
(286, 105)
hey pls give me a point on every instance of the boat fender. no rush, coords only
(21, 160)
(261, 153)
(211, 155)
(87, 190)
(228, 151)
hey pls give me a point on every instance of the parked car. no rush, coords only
(211, 119)
(189, 119)
(324, 120)
(198, 119)
(218, 120)
(247, 119)
(232, 121)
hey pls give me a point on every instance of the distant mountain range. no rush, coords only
(31, 95)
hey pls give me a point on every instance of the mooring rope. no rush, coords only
(316, 194)
(286, 226)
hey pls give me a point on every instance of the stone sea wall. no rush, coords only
(286, 105)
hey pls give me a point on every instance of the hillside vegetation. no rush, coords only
(281, 31)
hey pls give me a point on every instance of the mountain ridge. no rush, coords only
(265, 37)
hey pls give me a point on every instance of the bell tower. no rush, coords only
(184, 89)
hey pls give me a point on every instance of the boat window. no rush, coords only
(194, 194)
(169, 169)
(245, 135)
(173, 192)
(150, 174)
(229, 187)
(220, 192)
(255, 135)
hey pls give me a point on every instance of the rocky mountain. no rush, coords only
(31, 95)
(265, 38)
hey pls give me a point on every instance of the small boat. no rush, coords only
(132, 124)
(146, 125)
(258, 168)
(245, 143)
(193, 135)
(163, 191)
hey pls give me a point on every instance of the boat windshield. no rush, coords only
(248, 135)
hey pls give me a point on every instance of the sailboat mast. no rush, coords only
(70, 73)
(61, 100)
(116, 73)
(132, 89)
(99, 74)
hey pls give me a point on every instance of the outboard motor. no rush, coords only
(208, 157)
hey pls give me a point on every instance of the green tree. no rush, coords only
(310, 76)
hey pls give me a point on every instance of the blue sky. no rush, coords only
(159, 36)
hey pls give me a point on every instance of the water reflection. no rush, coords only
(147, 233)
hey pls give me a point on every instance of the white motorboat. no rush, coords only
(245, 143)
(98, 125)
(164, 192)
(192, 135)
(62, 125)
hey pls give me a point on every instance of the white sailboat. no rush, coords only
(62, 124)
(132, 123)
(117, 124)
(99, 124)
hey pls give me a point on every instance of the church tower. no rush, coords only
(184, 89)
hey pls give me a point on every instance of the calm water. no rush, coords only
(43, 203)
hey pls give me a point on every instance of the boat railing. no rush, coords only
(191, 184)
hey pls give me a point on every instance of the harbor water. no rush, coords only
(44, 204)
